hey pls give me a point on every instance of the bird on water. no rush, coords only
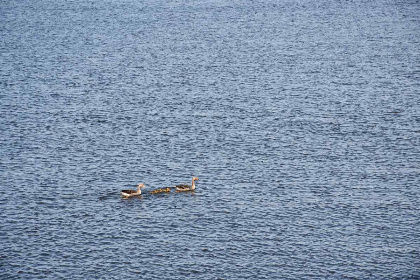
(131, 193)
(162, 190)
(184, 188)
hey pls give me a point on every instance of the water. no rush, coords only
(301, 119)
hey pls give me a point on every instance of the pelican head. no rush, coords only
(141, 186)
(195, 178)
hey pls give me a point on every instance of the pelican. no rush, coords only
(130, 193)
(184, 188)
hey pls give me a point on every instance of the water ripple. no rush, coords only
(301, 120)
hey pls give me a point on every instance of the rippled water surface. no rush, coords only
(301, 119)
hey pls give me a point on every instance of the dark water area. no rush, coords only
(301, 119)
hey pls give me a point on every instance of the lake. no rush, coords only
(301, 120)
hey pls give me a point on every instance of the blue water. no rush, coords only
(301, 119)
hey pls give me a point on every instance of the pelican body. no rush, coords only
(185, 188)
(131, 193)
